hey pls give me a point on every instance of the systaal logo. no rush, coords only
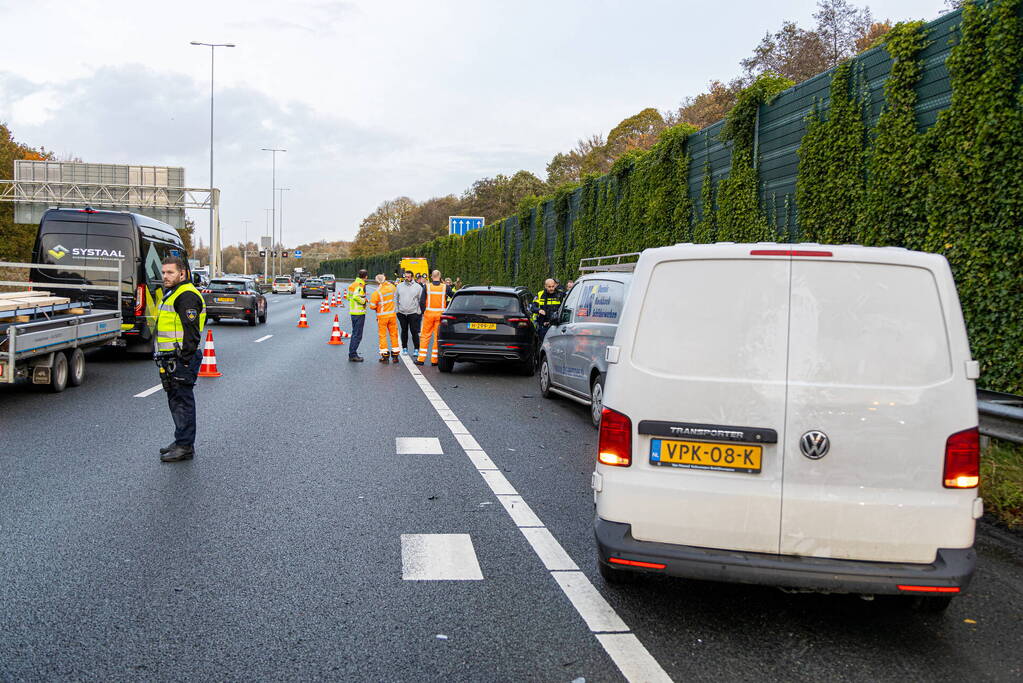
(58, 252)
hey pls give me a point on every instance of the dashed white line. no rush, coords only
(263, 339)
(439, 557)
(629, 655)
(149, 391)
(418, 445)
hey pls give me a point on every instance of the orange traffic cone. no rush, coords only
(345, 335)
(335, 333)
(324, 307)
(302, 322)
(209, 358)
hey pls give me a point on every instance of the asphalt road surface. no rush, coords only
(375, 522)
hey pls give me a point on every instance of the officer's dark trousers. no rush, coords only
(410, 322)
(358, 322)
(181, 400)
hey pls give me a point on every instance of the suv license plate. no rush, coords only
(225, 300)
(698, 455)
(482, 326)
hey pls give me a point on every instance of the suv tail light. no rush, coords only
(140, 301)
(962, 460)
(448, 317)
(521, 322)
(615, 443)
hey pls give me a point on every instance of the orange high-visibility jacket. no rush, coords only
(382, 301)
(436, 297)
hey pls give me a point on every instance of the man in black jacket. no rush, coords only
(179, 323)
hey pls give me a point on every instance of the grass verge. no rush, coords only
(1001, 482)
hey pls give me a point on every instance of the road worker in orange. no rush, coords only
(436, 296)
(382, 301)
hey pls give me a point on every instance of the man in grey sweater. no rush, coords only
(410, 311)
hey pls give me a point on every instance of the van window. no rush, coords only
(600, 302)
(66, 250)
(866, 324)
(718, 319)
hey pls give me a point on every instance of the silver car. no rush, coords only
(572, 356)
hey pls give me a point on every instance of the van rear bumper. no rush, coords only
(952, 567)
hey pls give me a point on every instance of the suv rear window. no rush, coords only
(487, 303)
(226, 286)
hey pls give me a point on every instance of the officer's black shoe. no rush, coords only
(355, 359)
(418, 362)
(168, 448)
(178, 453)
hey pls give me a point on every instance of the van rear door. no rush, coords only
(873, 337)
(707, 382)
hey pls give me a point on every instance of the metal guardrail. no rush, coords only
(1001, 415)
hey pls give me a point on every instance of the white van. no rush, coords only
(794, 415)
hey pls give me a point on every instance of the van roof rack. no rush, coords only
(622, 263)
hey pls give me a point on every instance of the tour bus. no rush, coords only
(74, 237)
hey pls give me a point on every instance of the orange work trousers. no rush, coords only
(388, 325)
(431, 320)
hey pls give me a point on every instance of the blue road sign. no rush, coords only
(298, 253)
(460, 225)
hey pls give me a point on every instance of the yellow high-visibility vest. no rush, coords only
(169, 330)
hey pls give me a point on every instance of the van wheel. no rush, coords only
(445, 364)
(597, 400)
(76, 367)
(545, 378)
(58, 373)
(616, 577)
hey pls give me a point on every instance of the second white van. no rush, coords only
(801, 416)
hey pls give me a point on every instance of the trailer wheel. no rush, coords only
(58, 373)
(76, 367)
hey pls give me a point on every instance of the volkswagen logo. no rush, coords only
(815, 444)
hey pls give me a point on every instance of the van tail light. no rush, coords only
(615, 442)
(962, 460)
(140, 301)
(635, 563)
(788, 252)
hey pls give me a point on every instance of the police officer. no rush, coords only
(356, 296)
(545, 306)
(182, 316)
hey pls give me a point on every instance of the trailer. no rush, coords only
(43, 338)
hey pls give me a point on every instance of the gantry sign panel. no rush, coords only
(156, 191)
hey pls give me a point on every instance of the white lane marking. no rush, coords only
(591, 605)
(481, 460)
(418, 445)
(263, 339)
(467, 442)
(445, 414)
(626, 651)
(550, 551)
(149, 391)
(633, 660)
(439, 557)
(456, 427)
(520, 513)
(497, 483)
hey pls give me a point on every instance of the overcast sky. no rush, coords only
(372, 100)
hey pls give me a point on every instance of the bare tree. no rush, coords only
(840, 25)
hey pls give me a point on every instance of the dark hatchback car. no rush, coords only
(483, 324)
(314, 287)
(234, 298)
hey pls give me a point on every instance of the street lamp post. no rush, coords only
(280, 229)
(267, 248)
(273, 192)
(214, 228)
(245, 252)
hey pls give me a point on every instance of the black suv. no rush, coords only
(488, 324)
